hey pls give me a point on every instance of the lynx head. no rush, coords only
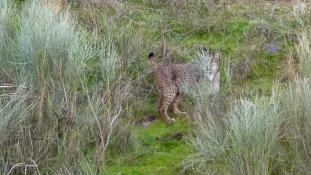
(213, 66)
(208, 63)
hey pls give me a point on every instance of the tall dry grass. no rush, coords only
(52, 118)
(244, 141)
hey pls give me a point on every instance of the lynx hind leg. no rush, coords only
(175, 104)
(167, 97)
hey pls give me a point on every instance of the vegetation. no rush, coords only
(75, 85)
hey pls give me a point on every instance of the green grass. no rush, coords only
(125, 34)
(267, 68)
(227, 41)
(157, 152)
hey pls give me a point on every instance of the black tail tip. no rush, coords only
(151, 55)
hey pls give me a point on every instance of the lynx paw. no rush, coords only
(171, 120)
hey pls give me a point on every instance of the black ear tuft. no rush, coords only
(205, 49)
(151, 55)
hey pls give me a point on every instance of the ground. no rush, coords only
(160, 151)
(240, 38)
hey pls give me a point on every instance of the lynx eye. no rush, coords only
(208, 69)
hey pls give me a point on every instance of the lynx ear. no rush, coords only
(151, 55)
(217, 56)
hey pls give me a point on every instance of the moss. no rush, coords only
(157, 152)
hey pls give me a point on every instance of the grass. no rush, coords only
(74, 81)
(59, 113)
(231, 37)
(157, 152)
(255, 135)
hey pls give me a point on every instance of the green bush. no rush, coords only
(245, 141)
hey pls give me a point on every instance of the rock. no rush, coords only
(272, 48)
(177, 136)
(146, 121)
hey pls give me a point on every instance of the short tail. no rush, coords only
(151, 56)
(152, 62)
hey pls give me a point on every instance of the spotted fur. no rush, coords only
(169, 80)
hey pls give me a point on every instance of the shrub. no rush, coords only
(51, 117)
(246, 141)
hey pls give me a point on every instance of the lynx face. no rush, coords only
(169, 79)
(208, 64)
